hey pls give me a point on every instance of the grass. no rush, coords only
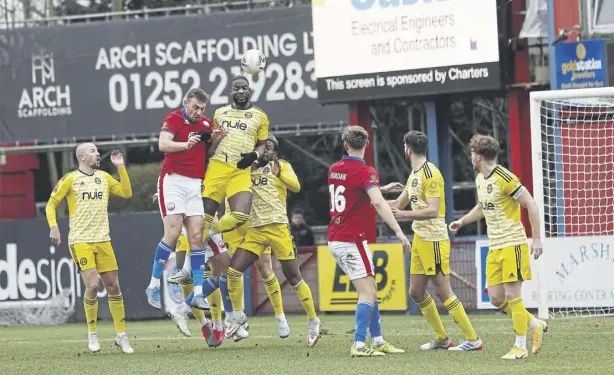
(575, 346)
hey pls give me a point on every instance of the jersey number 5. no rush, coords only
(337, 200)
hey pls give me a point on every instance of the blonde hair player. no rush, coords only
(500, 196)
(87, 192)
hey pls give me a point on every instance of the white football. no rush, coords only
(253, 61)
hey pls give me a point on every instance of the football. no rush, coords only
(253, 61)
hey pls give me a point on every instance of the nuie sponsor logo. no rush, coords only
(91, 195)
(234, 125)
(487, 206)
(260, 181)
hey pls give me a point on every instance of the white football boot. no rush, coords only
(313, 331)
(121, 340)
(283, 329)
(92, 342)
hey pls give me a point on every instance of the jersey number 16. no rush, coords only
(337, 200)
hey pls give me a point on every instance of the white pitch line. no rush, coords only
(261, 337)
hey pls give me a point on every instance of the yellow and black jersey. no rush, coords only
(427, 182)
(87, 197)
(497, 196)
(270, 192)
(245, 128)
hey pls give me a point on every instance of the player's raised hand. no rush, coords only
(536, 248)
(392, 187)
(54, 235)
(455, 226)
(194, 139)
(404, 241)
(117, 158)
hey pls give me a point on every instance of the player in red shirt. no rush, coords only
(354, 195)
(185, 136)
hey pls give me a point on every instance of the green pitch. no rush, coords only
(575, 346)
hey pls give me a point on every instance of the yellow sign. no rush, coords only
(337, 292)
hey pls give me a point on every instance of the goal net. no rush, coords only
(56, 310)
(572, 141)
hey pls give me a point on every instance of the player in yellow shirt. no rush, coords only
(500, 196)
(264, 265)
(87, 192)
(430, 253)
(269, 227)
(228, 173)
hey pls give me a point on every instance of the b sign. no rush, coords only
(337, 292)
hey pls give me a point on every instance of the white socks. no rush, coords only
(521, 342)
(154, 283)
(187, 264)
(534, 324)
(183, 309)
(378, 340)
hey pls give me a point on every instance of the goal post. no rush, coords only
(572, 149)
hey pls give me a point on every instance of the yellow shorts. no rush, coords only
(182, 244)
(430, 257)
(275, 236)
(225, 180)
(234, 237)
(98, 255)
(508, 265)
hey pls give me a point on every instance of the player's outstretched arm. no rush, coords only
(57, 195)
(121, 188)
(385, 212)
(401, 202)
(471, 217)
(166, 143)
(430, 212)
(288, 177)
(392, 187)
(526, 200)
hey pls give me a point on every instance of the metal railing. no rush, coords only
(134, 140)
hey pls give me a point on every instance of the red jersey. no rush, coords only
(348, 182)
(188, 163)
